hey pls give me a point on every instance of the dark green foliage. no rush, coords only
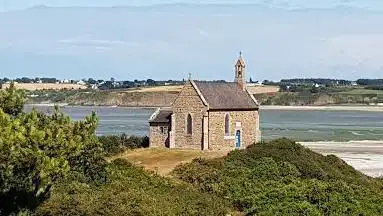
(38, 150)
(281, 177)
(309, 163)
(131, 191)
(12, 100)
(369, 82)
(313, 81)
(116, 144)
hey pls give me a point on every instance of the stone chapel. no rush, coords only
(209, 116)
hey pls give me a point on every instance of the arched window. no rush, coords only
(239, 70)
(189, 125)
(227, 123)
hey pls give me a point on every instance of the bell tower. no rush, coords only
(240, 72)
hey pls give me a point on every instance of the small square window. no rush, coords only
(163, 130)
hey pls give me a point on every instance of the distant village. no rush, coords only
(93, 83)
(286, 85)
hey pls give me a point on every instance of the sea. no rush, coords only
(302, 125)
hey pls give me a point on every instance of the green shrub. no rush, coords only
(114, 144)
(131, 191)
(281, 177)
(38, 150)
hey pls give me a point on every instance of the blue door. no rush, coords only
(238, 139)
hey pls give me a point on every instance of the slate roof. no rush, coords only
(161, 116)
(225, 95)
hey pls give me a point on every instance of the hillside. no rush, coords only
(163, 96)
(281, 177)
(129, 98)
(331, 97)
(131, 191)
(159, 96)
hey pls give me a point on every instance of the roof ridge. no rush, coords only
(153, 116)
(252, 96)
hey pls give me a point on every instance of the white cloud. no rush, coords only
(353, 50)
(80, 41)
(203, 33)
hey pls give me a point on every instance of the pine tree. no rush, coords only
(37, 150)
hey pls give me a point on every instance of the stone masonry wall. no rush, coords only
(159, 138)
(188, 102)
(249, 129)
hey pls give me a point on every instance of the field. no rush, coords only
(262, 89)
(42, 86)
(361, 91)
(163, 161)
(158, 89)
(252, 89)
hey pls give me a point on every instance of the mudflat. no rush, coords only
(365, 156)
(370, 108)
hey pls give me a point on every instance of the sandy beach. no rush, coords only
(375, 108)
(365, 156)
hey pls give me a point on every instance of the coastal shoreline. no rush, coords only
(325, 108)
(366, 108)
(84, 106)
(365, 155)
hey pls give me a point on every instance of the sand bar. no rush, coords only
(365, 156)
(326, 108)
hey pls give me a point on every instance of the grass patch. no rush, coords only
(162, 160)
(360, 91)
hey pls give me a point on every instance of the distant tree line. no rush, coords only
(269, 82)
(370, 82)
(318, 81)
(109, 84)
(30, 80)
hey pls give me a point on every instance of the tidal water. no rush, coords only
(298, 125)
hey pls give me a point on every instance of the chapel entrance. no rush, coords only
(238, 139)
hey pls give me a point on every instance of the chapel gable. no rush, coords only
(188, 99)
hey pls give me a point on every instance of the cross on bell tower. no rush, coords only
(240, 72)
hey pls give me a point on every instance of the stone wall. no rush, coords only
(188, 102)
(249, 126)
(159, 134)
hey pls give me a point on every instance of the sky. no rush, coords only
(24, 4)
(279, 39)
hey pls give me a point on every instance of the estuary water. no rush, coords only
(302, 125)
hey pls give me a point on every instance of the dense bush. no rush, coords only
(281, 177)
(378, 87)
(12, 100)
(38, 150)
(131, 191)
(114, 144)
